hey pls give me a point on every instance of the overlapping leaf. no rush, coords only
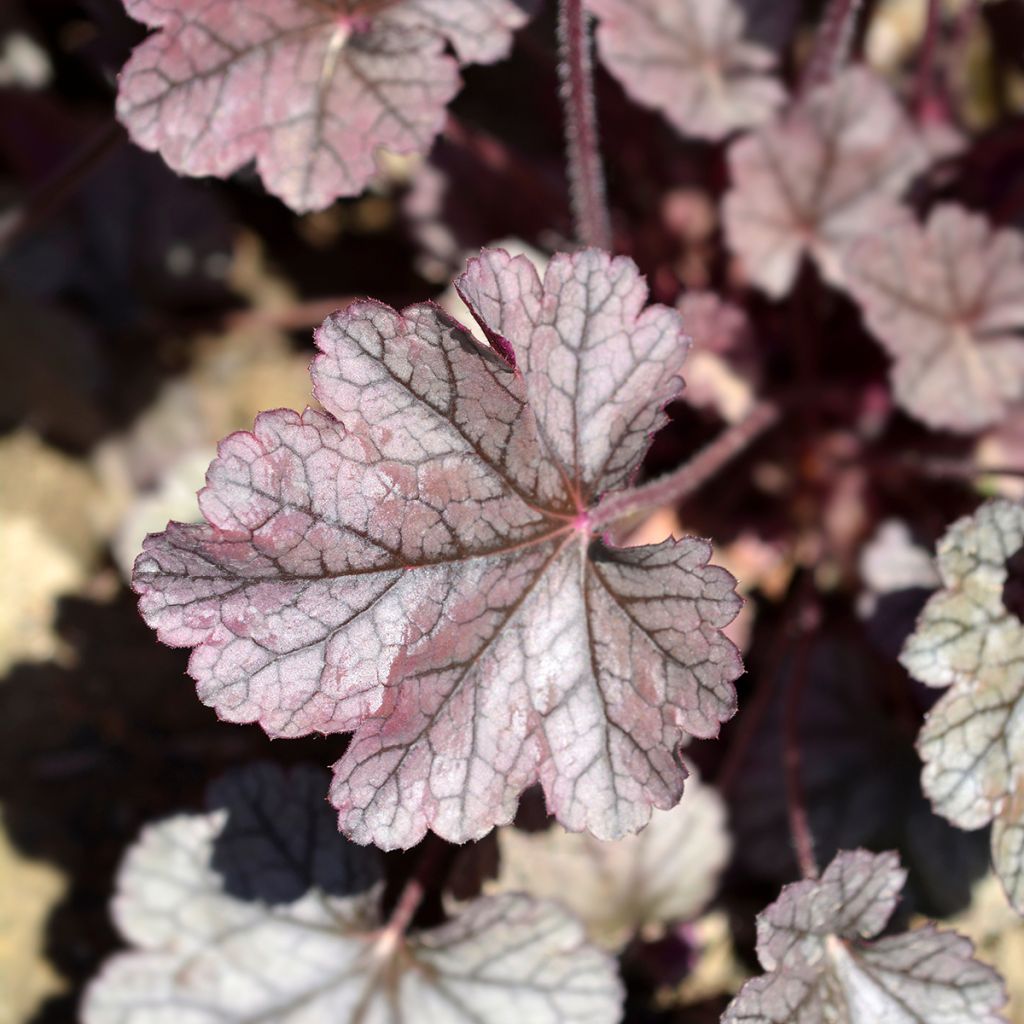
(666, 874)
(822, 176)
(417, 564)
(243, 915)
(691, 59)
(813, 940)
(310, 89)
(947, 301)
(972, 742)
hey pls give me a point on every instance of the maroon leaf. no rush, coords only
(418, 565)
(824, 175)
(947, 301)
(693, 60)
(310, 89)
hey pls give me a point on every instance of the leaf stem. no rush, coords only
(831, 44)
(682, 482)
(796, 803)
(586, 175)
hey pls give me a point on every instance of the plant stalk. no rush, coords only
(831, 44)
(796, 802)
(682, 482)
(586, 175)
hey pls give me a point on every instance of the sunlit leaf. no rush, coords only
(309, 89)
(947, 302)
(967, 638)
(693, 60)
(824, 174)
(260, 911)
(418, 564)
(814, 942)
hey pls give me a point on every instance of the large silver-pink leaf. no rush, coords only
(204, 953)
(813, 941)
(417, 564)
(693, 60)
(972, 742)
(309, 89)
(947, 301)
(824, 174)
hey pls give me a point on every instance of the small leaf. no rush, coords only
(972, 742)
(205, 955)
(691, 59)
(309, 89)
(418, 565)
(947, 302)
(665, 874)
(813, 940)
(823, 175)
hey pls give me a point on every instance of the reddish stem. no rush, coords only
(831, 44)
(586, 175)
(673, 487)
(796, 803)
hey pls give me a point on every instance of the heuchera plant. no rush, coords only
(441, 559)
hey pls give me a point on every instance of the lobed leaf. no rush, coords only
(824, 174)
(972, 742)
(813, 941)
(309, 89)
(204, 955)
(665, 874)
(417, 565)
(947, 302)
(693, 60)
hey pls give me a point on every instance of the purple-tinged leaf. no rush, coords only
(947, 302)
(813, 941)
(972, 742)
(824, 174)
(417, 566)
(308, 89)
(691, 59)
(206, 954)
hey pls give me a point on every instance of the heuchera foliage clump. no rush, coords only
(453, 557)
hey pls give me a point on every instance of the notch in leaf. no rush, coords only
(203, 954)
(309, 89)
(416, 564)
(815, 940)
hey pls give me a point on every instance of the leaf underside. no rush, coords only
(205, 955)
(310, 91)
(414, 564)
(814, 942)
(972, 742)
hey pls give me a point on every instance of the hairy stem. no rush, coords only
(586, 175)
(831, 44)
(682, 482)
(796, 804)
